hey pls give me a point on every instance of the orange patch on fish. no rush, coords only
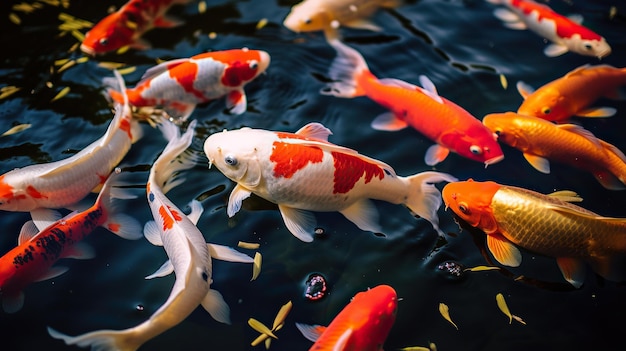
(126, 127)
(237, 73)
(290, 158)
(349, 169)
(185, 75)
(34, 193)
(169, 217)
(114, 227)
(6, 190)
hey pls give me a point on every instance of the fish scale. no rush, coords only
(523, 215)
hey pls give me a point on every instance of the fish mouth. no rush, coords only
(604, 53)
(493, 160)
(87, 50)
(210, 162)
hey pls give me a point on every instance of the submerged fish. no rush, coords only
(126, 26)
(179, 85)
(37, 251)
(37, 188)
(362, 325)
(189, 256)
(450, 126)
(573, 94)
(565, 33)
(542, 141)
(328, 15)
(303, 172)
(544, 224)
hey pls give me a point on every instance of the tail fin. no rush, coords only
(424, 198)
(118, 223)
(345, 70)
(104, 340)
(173, 158)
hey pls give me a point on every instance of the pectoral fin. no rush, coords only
(503, 250)
(236, 198)
(53, 272)
(539, 163)
(608, 180)
(152, 233)
(363, 24)
(573, 270)
(79, 251)
(554, 50)
(229, 254)
(315, 130)
(12, 303)
(44, 217)
(214, 303)
(236, 102)
(28, 231)
(597, 112)
(165, 269)
(299, 222)
(435, 154)
(388, 122)
(364, 214)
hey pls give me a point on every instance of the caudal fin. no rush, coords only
(345, 71)
(424, 198)
(173, 159)
(118, 223)
(102, 340)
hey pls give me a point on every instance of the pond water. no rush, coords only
(458, 44)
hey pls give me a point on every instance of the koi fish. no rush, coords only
(37, 251)
(126, 26)
(179, 85)
(317, 15)
(302, 172)
(362, 325)
(545, 224)
(572, 94)
(450, 126)
(565, 33)
(40, 187)
(541, 141)
(189, 255)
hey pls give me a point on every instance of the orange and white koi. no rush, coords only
(363, 324)
(126, 26)
(37, 251)
(565, 33)
(189, 255)
(179, 85)
(328, 15)
(545, 224)
(450, 126)
(573, 94)
(542, 141)
(303, 172)
(63, 183)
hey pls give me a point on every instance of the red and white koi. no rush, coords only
(37, 251)
(450, 126)
(179, 85)
(126, 26)
(189, 255)
(565, 33)
(303, 172)
(63, 183)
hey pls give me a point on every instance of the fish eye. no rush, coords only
(476, 150)
(588, 46)
(463, 208)
(308, 21)
(546, 110)
(497, 133)
(254, 64)
(103, 41)
(230, 160)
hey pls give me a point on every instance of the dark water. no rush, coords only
(460, 45)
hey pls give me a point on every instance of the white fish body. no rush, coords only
(303, 172)
(189, 257)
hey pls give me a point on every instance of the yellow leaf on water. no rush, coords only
(281, 315)
(268, 342)
(256, 265)
(261, 328)
(61, 94)
(443, 309)
(7, 91)
(123, 49)
(503, 306)
(16, 129)
(519, 319)
(202, 7)
(245, 245)
(15, 18)
(127, 70)
(481, 268)
(259, 339)
(262, 23)
(503, 81)
(78, 35)
(110, 65)
(67, 65)
(415, 348)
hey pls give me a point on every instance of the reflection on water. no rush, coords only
(459, 45)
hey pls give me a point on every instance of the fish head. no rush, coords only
(596, 46)
(471, 201)
(476, 143)
(237, 154)
(308, 16)
(242, 65)
(111, 33)
(547, 103)
(381, 303)
(510, 128)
